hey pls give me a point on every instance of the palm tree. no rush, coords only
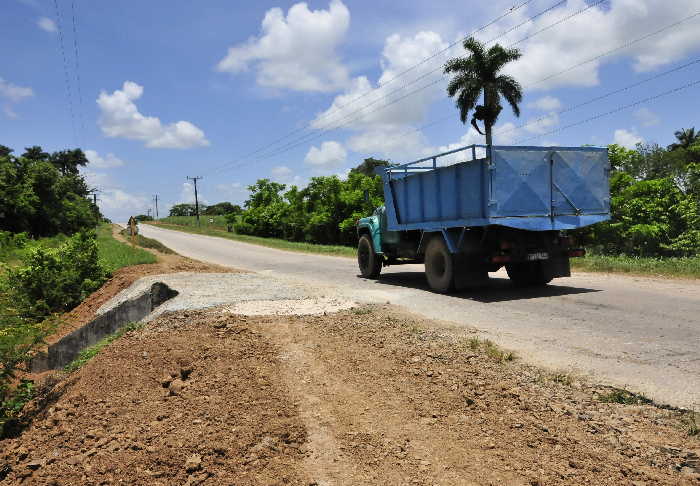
(480, 73)
(686, 137)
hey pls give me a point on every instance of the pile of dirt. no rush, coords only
(365, 396)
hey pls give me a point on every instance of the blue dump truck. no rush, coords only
(464, 216)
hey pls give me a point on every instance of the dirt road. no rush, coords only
(634, 332)
(368, 396)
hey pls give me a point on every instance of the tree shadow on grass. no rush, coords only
(497, 289)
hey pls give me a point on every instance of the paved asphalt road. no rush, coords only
(638, 333)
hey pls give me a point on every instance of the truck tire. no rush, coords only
(528, 274)
(439, 266)
(369, 262)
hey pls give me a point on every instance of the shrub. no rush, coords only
(57, 279)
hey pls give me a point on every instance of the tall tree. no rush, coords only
(479, 73)
(686, 138)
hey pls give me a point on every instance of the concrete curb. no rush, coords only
(60, 353)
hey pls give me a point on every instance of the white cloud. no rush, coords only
(285, 175)
(114, 199)
(599, 30)
(107, 162)
(647, 117)
(296, 51)
(358, 107)
(389, 142)
(329, 156)
(235, 191)
(47, 24)
(546, 103)
(542, 124)
(627, 138)
(120, 117)
(14, 93)
(9, 112)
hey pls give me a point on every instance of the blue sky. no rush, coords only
(166, 89)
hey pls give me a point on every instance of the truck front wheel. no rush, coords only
(439, 266)
(369, 262)
(528, 273)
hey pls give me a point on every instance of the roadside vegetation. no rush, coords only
(654, 227)
(53, 254)
(334, 250)
(149, 243)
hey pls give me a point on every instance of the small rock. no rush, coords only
(186, 371)
(34, 465)
(166, 380)
(573, 464)
(176, 387)
(193, 463)
(144, 355)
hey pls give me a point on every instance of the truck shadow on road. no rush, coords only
(497, 289)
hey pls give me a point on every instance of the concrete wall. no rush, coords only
(68, 347)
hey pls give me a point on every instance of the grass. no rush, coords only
(335, 250)
(12, 255)
(144, 242)
(692, 423)
(679, 267)
(219, 221)
(624, 397)
(489, 348)
(686, 267)
(115, 254)
(88, 353)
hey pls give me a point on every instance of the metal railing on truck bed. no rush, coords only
(534, 188)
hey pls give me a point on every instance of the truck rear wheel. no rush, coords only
(439, 266)
(528, 273)
(369, 262)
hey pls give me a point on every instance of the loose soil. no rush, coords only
(364, 396)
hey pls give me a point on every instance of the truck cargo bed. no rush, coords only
(532, 188)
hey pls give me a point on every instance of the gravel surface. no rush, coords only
(241, 293)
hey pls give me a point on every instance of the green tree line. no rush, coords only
(655, 201)
(44, 194)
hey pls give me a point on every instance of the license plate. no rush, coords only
(542, 255)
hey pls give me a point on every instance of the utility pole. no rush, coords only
(148, 211)
(196, 199)
(155, 197)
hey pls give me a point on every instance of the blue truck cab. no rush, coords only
(464, 215)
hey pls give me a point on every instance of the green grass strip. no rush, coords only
(685, 267)
(678, 267)
(334, 250)
(115, 254)
(88, 353)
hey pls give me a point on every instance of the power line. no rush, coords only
(423, 76)
(626, 45)
(310, 137)
(598, 98)
(613, 111)
(402, 73)
(77, 67)
(569, 69)
(305, 138)
(69, 94)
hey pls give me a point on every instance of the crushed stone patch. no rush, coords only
(294, 307)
